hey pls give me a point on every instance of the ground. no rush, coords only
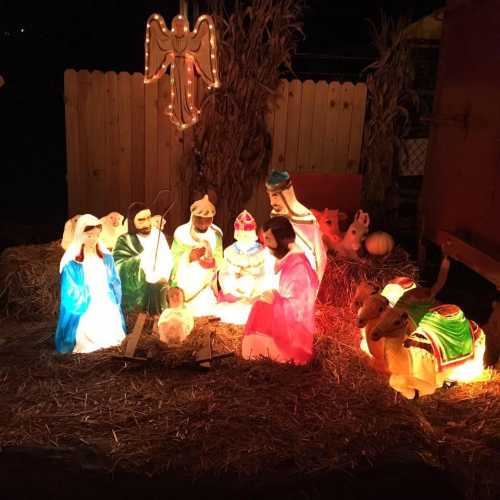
(74, 425)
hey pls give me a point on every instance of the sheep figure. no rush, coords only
(112, 228)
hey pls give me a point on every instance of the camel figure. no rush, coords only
(367, 318)
(418, 360)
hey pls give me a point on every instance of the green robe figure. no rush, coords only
(198, 256)
(144, 262)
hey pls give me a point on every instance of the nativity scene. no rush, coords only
(274, 316)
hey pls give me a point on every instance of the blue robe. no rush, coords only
(75, 300)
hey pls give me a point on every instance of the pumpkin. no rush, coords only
(379, 243)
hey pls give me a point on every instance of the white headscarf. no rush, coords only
(76, 245)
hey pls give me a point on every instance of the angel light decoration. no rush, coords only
(182, 51)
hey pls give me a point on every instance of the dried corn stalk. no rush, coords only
(232, 146)
(391, 98)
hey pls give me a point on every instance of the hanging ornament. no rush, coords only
(182, 51)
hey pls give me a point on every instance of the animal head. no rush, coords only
(328, 221)
(373, 307)
(363, 291)
(113, 219)
(392, 324)
(69, 231)
(357, 231)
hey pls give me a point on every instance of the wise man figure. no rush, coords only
(308, 233)
(242, 277)
(144, 261)
(197, 256)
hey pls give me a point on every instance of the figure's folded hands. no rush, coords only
(196, 254)
(207, 263)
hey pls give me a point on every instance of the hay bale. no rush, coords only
(343, 274)
(29, 281)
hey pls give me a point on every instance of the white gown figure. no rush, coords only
(243, 275)
(90, 315)
(101, 326)
(198, 277)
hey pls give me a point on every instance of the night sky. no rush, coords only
(39, 41)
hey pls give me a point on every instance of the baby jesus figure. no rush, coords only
(176, 322)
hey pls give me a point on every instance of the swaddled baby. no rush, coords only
(175, 322)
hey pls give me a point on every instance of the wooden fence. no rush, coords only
(121, 147)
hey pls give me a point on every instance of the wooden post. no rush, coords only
(183, 8)
(134, 337)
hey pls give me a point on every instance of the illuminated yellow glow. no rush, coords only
(473, 369)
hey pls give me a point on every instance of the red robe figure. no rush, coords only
(281, 323)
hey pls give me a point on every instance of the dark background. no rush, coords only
(38, 41)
